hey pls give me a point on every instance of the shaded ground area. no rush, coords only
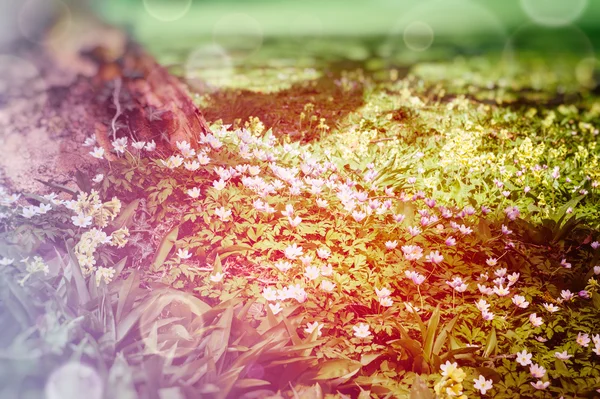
(306, 106)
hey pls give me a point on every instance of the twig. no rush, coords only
(117, 104)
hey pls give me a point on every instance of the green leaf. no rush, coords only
(491, 344)
(337, 368)
(165, 247)
(250, 383)
(219, 339)
(124, 218)
(432, 325)
(441, 338)
(82, 291)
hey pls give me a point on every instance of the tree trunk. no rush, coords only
(91, 80)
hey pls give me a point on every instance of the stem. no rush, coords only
(117, 104)
(420, 297)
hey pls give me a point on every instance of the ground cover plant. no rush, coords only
(438, 237)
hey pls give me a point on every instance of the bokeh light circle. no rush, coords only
(35, 15)
(208, 68)
(553, 12)
(73, 381)
(418, 36)
(587, 72)
(239, 35)
(167, 10)
(176, 338)
(546, 56)
(440, 28)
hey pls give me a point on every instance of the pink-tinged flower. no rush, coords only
(382, 293)
(361, 330)
(306, 259)
(565, 264)
(150, 146)
(327, 285)
(596, 270)
(414, 231)
(526, 189)
(595, 245)
(540, 339)
(540, 385)
(270, 294)
(457, 284)
(500, 272)
(289, 210)
(583, 340)
(537, 371)
(485, 210)
(312, 272)
(283, 266)
(193, 192)
(386, 301)
(412, 252)
(326, 270)
(359, 216)
(551, 307)
(535, 320)
(223, 213)
(416, 278)
(411, 180)
(217, 277)
(482, 305)
(584, 294)
(80, 220)
(482, 384)
(556, 172)
(298, 293)
(293, 251)
(485, 290)
(562, 355)
(398, 218)
(566, 295)
(524, 358)
(500, 290)
(491, 261)
(512, 212)
(505, 230)
(498, 183)
(295, 222)
(487, 315)
(411, 308)
(321, 203)
(391, 244)
(435, 257)
(192, 166)
(520, 301)
(97, 153)
(183, 253)
(464, 229)
(310, 327)
(275, 308)
(323, 253)
(219, 184)
(450, 241)
(513, 278)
